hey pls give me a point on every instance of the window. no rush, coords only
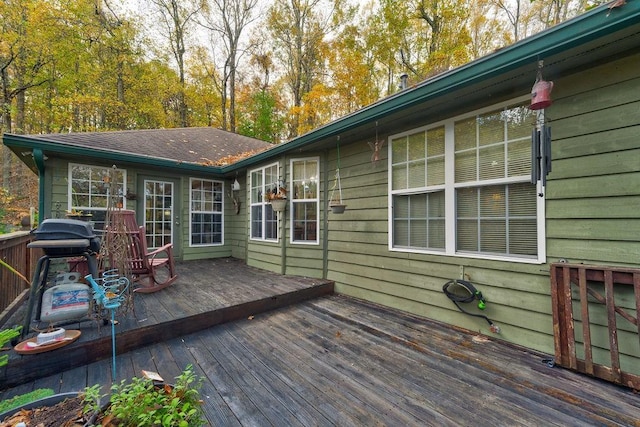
(206, 212)
(304, 200)
(90, 188)
(264, 222)
(463, 187)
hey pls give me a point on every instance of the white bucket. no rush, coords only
(65, 302)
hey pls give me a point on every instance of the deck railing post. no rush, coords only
(587, 279)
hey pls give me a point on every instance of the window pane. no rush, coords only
(435, 171)
(399, 150)
(467, 203)
(399, 176)
(519, 153)
(491, 162)
(493, 236)
(417, 174)
(490, 128)
(465, 134)
(416, 146)
(401, 233)
(467, 235)
(305, 224)
(256, 187)
(523, 238)
(256, 221)
(489, 147)
(522, 200)
(520, 121)
(492, 201)
(435, 142)
(466, 169)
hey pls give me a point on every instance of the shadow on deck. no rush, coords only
(207, 293)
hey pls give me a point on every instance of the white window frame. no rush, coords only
(105, 171)
(295, 200)
(257, 199)
(213, 212)
(450, 187)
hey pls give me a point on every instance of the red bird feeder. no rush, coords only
(541, 91)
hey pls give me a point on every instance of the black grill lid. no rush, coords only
(59, 229)
(65, 237)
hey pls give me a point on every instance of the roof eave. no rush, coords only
(17, 142)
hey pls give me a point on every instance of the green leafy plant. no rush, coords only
(7, 335)
(143, 403)
(23, 399)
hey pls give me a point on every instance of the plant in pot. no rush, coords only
(277, 198)
(142, 401)
(335, 200)
(78, 214)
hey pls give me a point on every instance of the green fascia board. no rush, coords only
(25, 142)
(590, 26)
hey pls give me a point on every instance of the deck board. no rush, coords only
(335, 360)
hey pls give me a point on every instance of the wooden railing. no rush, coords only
(595, 290)
(14, 251)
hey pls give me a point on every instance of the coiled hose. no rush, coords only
(472, 295)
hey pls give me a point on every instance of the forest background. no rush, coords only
(272, 70)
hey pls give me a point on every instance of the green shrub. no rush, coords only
(141, 403)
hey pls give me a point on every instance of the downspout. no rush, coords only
(283, 242)
(325, 215)
(38, 158)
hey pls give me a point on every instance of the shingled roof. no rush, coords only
(203, 145)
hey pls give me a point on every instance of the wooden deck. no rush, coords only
(333, 360)
(206, 293)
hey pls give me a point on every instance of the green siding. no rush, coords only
(298, 259)
(593, 216)
(593, 190)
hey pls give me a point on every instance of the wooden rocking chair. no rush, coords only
(150, 270)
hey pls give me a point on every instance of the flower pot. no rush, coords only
(278, 205)
(337, 208)
(40, 403)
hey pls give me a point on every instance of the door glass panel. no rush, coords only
(158, 212)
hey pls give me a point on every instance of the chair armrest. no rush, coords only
(167, 249)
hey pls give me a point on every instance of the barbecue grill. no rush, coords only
(65, 237)
(59, 238)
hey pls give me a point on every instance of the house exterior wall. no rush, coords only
(56, 203)
(592, 216)
(283, 256)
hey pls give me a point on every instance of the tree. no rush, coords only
(177, 18)
(227, 19)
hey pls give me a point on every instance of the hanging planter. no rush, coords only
(335, 201)
(278, 205)
(338, 208)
